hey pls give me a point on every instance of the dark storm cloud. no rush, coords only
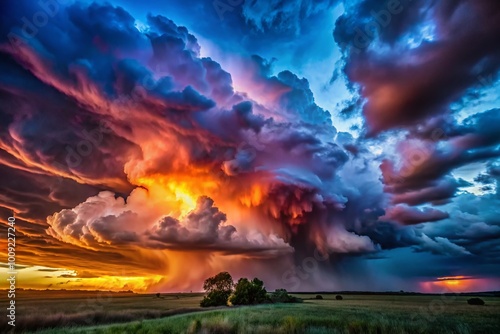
(233, 123)
(72, 137)
(462, 49)
(366, 20)
(494, 171)
(480, 130)
(484, 179)
(390, 236)
(95, 73)
(78, 134)
(473, 230)
(176, 54)
(441, 246)
(52, 193)
(57, 138)
(435, 192)
(424, 174)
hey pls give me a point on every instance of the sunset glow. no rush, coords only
(456, 284)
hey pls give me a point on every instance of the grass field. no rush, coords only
(173, 314)
(45, 309)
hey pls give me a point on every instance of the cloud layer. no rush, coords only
(143, 149)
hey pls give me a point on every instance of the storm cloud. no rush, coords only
(129, 139)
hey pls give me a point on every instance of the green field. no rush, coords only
(174, 314)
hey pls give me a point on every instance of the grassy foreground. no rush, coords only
(354, 314)
(59, 308)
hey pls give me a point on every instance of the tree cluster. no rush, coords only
(249, 292)
(221, 289)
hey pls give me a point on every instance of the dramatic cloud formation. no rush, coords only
(131, 146)
(429, 43)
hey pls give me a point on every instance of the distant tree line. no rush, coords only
(221, 290)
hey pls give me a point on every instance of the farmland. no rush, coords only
(103, 312)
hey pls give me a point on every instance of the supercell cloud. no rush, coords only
(136, 140)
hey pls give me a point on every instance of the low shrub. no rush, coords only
(338, 297)
(282, 296)
(319, 297)
(475, 301)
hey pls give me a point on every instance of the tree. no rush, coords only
(218, 289)
(158, 295)
(249, 292)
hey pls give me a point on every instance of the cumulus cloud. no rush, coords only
(100, 219)
(205, 228)
(108, 220)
